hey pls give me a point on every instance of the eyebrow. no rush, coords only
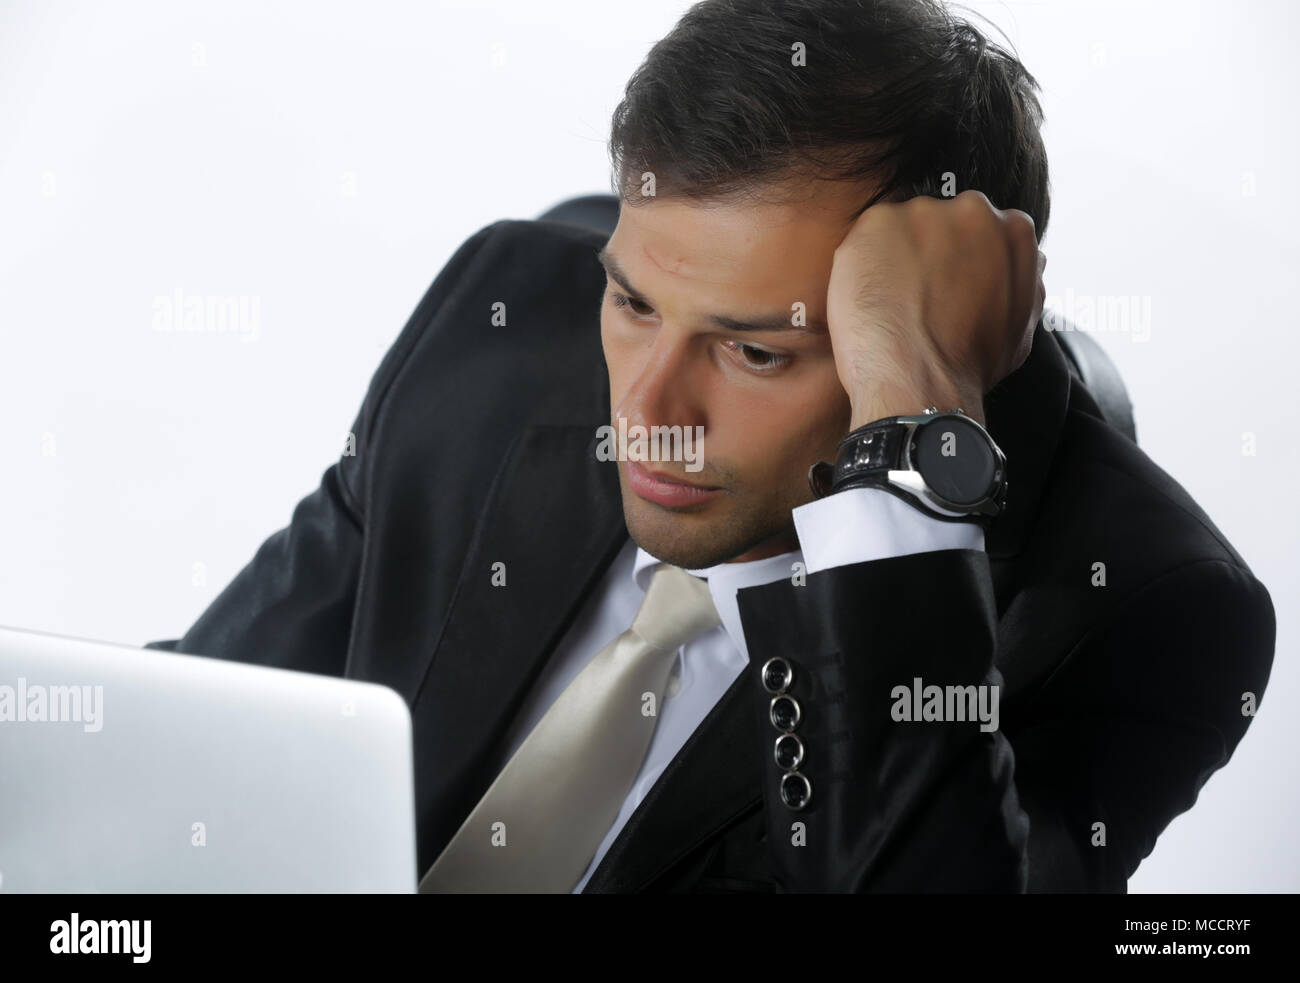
(767, 322)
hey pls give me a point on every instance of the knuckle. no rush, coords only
(1022, 227)
(976, 214)
(974, 200)
(1019, 218)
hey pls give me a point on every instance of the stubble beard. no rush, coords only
(697, 540)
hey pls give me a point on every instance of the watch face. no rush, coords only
(956, 460)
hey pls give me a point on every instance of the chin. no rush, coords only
(691, 540)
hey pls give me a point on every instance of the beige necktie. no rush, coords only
(538, 826)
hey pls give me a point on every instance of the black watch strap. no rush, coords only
(876, 447)
(819, 479)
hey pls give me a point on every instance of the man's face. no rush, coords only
(683, 279)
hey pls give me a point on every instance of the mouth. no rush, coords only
(667, 491)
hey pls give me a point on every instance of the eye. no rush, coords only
(757, 359)
(627, 303)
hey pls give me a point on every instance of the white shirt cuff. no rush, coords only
(862, 524)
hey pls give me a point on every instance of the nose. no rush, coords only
(668, 389)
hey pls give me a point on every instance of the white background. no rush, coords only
(327, 159)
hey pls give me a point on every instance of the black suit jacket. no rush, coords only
(475, 444)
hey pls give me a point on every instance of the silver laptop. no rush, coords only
(133, 770)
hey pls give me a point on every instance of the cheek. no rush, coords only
(789, 436)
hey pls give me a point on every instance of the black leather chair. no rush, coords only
(1087, 359)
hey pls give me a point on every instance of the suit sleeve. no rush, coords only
(291, 606)
(1117, 742)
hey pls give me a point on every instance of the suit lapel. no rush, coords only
(553, 519)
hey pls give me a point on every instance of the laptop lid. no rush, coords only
(134, 770)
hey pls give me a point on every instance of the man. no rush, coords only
(830, 218)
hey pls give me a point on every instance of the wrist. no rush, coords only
(876, 402)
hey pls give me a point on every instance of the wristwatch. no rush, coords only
(944, 464)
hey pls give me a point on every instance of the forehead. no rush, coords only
(761, 247)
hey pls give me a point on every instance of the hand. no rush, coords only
(932, 302)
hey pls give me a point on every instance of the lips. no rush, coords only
(667, 491)
(670, 479)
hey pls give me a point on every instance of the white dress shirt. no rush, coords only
(852, 526)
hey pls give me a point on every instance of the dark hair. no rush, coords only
(893, 91)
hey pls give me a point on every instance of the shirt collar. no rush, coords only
(725, 580)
